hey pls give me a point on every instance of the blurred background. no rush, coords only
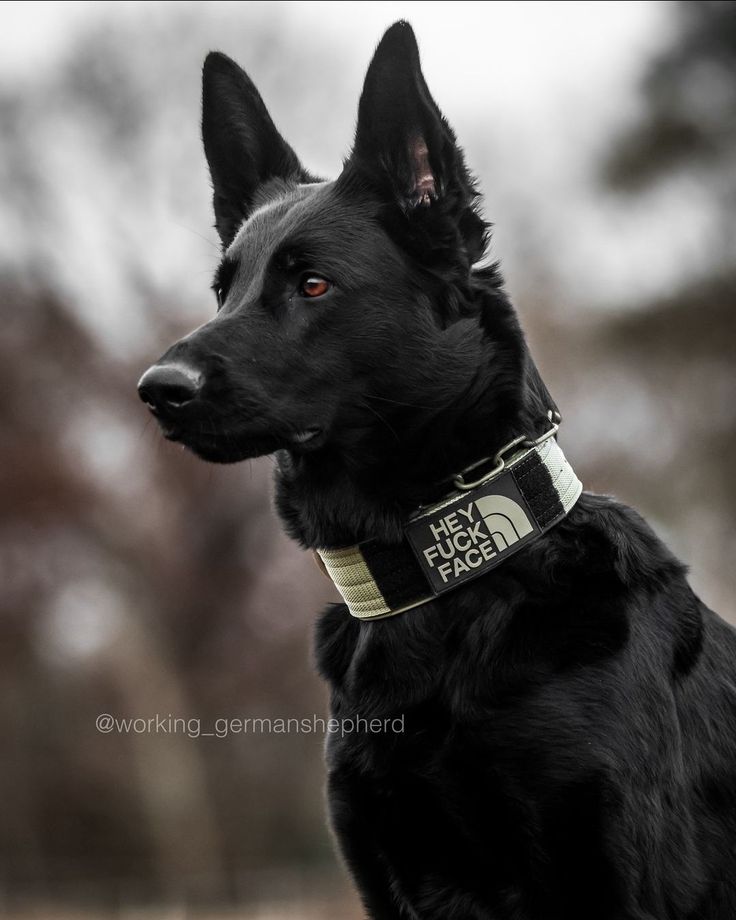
(138, 581)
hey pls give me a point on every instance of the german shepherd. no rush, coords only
(569, 743)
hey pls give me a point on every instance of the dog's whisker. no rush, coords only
(408, 405)
(383, 421)
(197, 233)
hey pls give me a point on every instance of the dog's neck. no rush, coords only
(338, 497)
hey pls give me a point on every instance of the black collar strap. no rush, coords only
(469, 532)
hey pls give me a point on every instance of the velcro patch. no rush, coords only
(472, 534)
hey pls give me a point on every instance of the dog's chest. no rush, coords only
(451, 749)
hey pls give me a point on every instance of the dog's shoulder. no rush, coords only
(613, 562)
(610, 533)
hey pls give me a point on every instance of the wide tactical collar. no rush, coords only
(473, 529)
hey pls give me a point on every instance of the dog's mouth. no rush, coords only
(223, 446)
(308, 437)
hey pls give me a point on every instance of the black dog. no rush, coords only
(569, 743)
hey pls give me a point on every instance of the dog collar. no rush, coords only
(474, 529)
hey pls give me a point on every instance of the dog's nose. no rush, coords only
(169, 386)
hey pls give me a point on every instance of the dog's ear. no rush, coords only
(401, 137)
(242, 145)
(405, 145)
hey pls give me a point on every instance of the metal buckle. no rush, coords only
(499, 459)
(545, 437)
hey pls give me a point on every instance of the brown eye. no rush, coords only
(314, 286)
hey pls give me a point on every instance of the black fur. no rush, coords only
(569, 750)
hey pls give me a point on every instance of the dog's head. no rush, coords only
(348, 314)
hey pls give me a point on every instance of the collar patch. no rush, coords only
(473, 534)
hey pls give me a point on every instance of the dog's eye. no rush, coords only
(313, 286)
(220, 296)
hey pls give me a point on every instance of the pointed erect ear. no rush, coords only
(402, 140)
(241, 143)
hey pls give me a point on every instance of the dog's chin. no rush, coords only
(234, 447)
(222, 452)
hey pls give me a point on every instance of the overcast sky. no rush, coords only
(544, 87)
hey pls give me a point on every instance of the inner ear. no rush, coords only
(425, 187)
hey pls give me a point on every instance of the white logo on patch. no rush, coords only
(469, 537)
(505, 520)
